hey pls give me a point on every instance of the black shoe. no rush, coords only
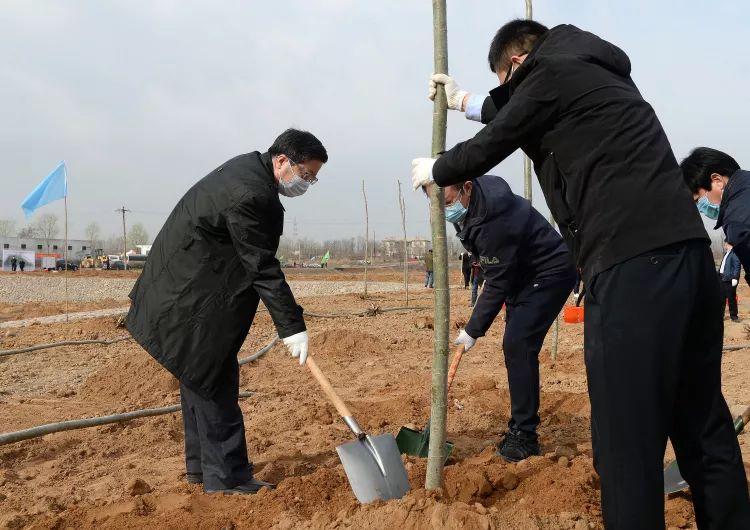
(194, 478)
(518, 445)
(736, 319)
(251, 487)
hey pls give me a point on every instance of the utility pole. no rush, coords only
(124, 238)
(526, 159)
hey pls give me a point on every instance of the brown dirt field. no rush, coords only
(381, 366)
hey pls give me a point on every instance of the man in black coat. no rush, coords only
(192, 307)
(729, 275)
(610, 178)
(465, 259)
(526, 266)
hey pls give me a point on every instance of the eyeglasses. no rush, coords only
(307, 176)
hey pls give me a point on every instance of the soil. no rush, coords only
(131, 475)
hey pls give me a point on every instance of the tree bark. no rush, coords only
(438, 412)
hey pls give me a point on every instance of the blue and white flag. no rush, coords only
(53, 187)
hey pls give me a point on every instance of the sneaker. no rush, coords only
(518, 445)
(736, 319)
(250, 487)
(194, 478)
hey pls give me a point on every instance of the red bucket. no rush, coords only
(573, 314)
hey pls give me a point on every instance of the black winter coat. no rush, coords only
(603, 160)
(514, 244)
(209, 265)
(734, 216)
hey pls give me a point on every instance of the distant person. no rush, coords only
(729, 274)
(22, 264)
(429, 273)
(465, 259)
(193, 305)
(476, 279)
(525, 265)
(106, 262)
(13, 263)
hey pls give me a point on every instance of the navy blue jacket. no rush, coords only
(734, 216)
(515, 245)
(731, 268)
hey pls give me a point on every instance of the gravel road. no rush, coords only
(23, 289)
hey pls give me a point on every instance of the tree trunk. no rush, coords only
(438, 412)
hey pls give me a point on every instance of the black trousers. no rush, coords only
(530, 313)
(467, 276)
(653, 339)
(729, 293)
(215, 433)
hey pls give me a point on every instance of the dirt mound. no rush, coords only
(136, 380)
(346, 343)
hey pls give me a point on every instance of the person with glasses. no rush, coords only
(525, 265)
(610, 178)
(192, 307)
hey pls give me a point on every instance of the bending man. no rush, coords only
(193, 305)
(528, 268)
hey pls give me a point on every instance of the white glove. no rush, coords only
(421, 172)
(735, 282)
(453, 92)
(576, 296)
(465, 339)
(297, 345)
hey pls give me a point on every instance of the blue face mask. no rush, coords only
(707, 208)
(456, 212)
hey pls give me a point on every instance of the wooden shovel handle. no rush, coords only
(745, 418)
(325, 384)
(454, 364)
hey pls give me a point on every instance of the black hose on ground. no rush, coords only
(69, 425)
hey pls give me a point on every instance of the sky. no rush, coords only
(143, 98)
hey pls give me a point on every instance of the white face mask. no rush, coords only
(295, 187)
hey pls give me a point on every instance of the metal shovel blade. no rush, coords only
(374, 468)
(673, 481)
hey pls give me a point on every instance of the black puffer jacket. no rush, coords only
(208, 267)
(514, 244)
(603, 160)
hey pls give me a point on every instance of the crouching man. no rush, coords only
(528, 268)
(193, 305)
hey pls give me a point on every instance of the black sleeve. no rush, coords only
(259, 259)
(489, 110)
(500, 267)
(738, 235)
(527, 115)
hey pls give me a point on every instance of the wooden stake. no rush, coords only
(438, 410)
(66, 256)
(526, 161)
(367, 233)
(402, 206)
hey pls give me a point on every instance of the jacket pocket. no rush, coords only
(554, 187)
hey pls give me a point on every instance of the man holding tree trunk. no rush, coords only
(607, 169)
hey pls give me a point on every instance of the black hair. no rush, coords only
(299, 146)
(514, 38)
(701, 163)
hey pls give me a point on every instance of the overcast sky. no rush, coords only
(143, 98)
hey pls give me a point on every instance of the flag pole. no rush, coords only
(66, 255)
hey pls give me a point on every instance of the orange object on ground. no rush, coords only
(573, 314)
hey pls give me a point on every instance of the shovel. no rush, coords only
(673, 481)
(372, 463)
(417, 443)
